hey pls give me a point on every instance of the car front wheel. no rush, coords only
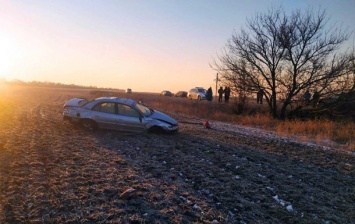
(156, 129)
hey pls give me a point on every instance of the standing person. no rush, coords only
(209, 94)
(307, 97)
(227, 92)
(315, 98)
(220, 94)
(259, 96)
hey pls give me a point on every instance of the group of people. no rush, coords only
(226, 91)
(308, 96)
(259, 95)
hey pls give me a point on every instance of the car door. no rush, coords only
(105, 115)
(130, 119)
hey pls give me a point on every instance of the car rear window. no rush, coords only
(82, 102)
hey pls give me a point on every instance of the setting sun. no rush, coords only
(9, 53)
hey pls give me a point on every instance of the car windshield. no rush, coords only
(201, 90)
(146, 111)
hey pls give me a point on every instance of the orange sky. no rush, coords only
(148, 46)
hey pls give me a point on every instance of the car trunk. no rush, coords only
(76, 102)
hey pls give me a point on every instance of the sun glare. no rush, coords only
(9, 53)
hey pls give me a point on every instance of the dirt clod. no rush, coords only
(128, 193)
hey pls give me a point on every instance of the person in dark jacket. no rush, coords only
(315, 98)
(220, 94)
(227, 92)
(259, 96)
(307, 96)
(209, 94)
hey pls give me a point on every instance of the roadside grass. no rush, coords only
(337, 134)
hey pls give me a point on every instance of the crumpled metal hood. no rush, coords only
(163, 117)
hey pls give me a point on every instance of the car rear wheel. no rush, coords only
(89, 124)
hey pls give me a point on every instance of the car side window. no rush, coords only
(128, 111)
(105, 107)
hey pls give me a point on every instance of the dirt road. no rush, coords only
(54, 172)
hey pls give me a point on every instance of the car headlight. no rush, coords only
(173, 127)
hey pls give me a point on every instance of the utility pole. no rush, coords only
(216, 83)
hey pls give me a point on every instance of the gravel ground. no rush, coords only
(54, 172)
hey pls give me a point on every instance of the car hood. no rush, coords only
(163, 117)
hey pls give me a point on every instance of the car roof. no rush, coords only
(115, 100)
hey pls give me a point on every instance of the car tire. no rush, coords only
(89, 124)
(156, 130)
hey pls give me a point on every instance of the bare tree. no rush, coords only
(285, 55)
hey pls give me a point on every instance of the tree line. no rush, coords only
(52, 84)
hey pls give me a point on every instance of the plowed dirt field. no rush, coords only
(54, 172)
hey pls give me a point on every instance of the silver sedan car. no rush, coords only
(197, 93)
(117, 114)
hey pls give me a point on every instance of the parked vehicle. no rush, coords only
(181, 94)
(128, 90)
(166, 93)
(117, 114)
(197, 93)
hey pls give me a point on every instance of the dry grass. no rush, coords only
(338, 134)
